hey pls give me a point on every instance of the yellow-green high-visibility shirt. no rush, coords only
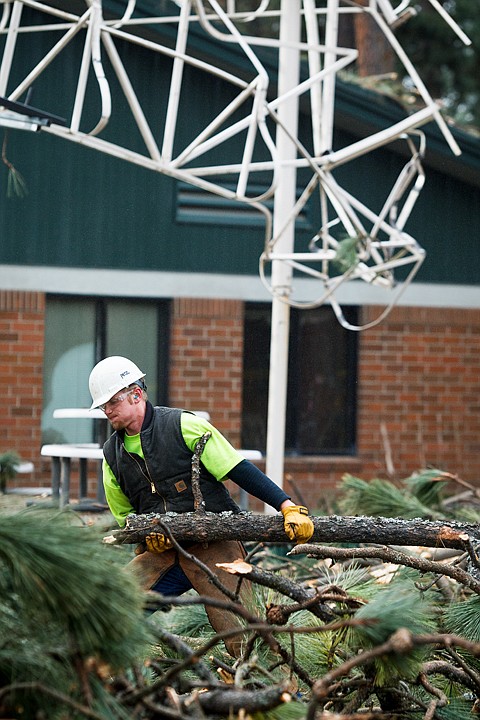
(218, 456)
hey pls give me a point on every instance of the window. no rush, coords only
(81, 331)
(322, 381)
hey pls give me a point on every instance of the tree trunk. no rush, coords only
(250, 527)
(375, 54)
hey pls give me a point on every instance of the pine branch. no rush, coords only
(400, 643)
(64, 699)
(381, 497)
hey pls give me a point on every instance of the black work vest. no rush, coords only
(162, 480)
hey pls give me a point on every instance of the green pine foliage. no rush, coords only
(16, 184)
(447, 66)
(457, 709)
(319, 652)
(428, 486)
(467, 513)
(381, 498)
(286, 711)
(190, 624)
(8, 467)
(187, 621)
(463, 618)
(68, 611)
(352, 578)
(422, 495)
(396, 606)
(71, 618)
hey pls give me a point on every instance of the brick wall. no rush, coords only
(418, 389)
(418, 404)
(206, 358)
(419, 382)
(21, 364)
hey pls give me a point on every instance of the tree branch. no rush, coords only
(393, 556)
(250, 527)
(198, 501)
(401, 642)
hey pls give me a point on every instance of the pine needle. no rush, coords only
(398, 606)
(16, 185)
(463, 618)
(457, 709)
(466, 514)
(68, 610)
(427, 486)
(65, 576)
(285, 711)
(382, 499)
(8, 467)
(394, 607)
(189, 620)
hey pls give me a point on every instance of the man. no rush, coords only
(147, 469)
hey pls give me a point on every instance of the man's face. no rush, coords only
(119, 409)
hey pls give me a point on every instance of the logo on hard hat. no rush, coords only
(127, 372)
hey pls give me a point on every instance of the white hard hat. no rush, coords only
(111, 375)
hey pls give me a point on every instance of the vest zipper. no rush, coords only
(152, 484)
(148, 477)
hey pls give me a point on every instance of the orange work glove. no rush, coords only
(157, 543)
(297, 524)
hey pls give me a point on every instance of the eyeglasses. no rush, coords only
(115, 400)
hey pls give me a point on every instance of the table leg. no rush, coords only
(56, 479)
(100, 489)
(66, 465)
(83, 478)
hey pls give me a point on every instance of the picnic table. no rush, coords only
(62, 455)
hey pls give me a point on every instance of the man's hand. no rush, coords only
(157, 543)
(297, 524)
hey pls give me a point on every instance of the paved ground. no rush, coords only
(22, 498)
(16, 501)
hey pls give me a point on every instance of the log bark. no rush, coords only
(251, 527)
(198, 501)
(228, 701)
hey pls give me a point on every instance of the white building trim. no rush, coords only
(155, 284)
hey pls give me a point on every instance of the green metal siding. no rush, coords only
(446, 222)
(86, 209)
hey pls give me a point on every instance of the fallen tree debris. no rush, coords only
(393, 556)
(251, 527)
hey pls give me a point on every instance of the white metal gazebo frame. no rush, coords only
(378, 239)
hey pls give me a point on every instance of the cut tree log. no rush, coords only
(250, 527)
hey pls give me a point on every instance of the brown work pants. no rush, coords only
(150, 568)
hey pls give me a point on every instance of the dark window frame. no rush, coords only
(100, 306)
(342, 357)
